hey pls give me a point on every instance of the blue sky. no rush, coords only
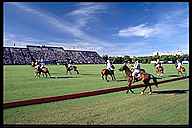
(116, 29)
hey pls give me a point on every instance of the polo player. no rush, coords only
(136, 72)
(70, 65)
(178, 64)
(109, 66)
(42, 64)
(158, 64)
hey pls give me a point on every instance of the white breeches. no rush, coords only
(157, 66)
(178, 67)
(136, 71)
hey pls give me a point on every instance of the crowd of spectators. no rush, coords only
(26, 55)
(7, 56)
(53, 54)
(17, 56)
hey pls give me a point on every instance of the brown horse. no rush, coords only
(38, 71)
(68, 69)
(44, 71)
(181, 70)
(159, 70)
(33, 63)
(145, 77)
(106, 72)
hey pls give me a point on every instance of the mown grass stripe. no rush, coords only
(78, 95)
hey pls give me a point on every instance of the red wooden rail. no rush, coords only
(77, 95)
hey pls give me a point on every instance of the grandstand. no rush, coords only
(52, 55)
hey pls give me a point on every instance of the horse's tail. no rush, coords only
(183, 69)
(154, 80)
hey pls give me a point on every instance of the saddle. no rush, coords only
(158, 67)
(137, 75)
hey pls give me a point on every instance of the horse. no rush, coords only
(181, 70)
(38, 71)
(44, 71)
(159, 70)
(68, 69)
(33, 63)
(106, 72)
(145, 77)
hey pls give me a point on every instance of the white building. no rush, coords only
(170, 62)
(185, 62)
(153, 62)
(176, 52)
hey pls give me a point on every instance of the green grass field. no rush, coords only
(112, 108)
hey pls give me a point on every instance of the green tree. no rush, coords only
(105, 57)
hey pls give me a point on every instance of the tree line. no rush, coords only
(147, 59)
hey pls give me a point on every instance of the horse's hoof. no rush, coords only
(142, 93)
(107, 81)
(150, 93)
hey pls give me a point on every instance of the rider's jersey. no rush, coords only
(126, 64)
(69, 65)
(157, 64)
(109, 66)
(137, 65)
(178, 65)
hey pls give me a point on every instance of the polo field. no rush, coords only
(168, 104)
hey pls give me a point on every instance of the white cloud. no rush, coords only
(65, 26)
(86, 3)
(85, 14)
(140, 30)
(88, 10)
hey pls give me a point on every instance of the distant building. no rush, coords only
(153, 62)
(169, 62)
(185, 62)
(176, 52)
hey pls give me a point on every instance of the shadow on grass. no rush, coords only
(90, 74)
(62, 77)
(178, 91)
(120, 80)
(173, 75)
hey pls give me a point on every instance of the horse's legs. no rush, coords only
(150, 90)
(70, 73)
(49, 74)
(129, 87)
(106, 78)
(142, 92)
(131, 91)
(36, 74)
(77, 71)
(180, 73)
(111, 76)
(43, 74)
(102, 76)
(114, 77)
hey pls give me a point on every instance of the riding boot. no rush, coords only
(133, 81)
